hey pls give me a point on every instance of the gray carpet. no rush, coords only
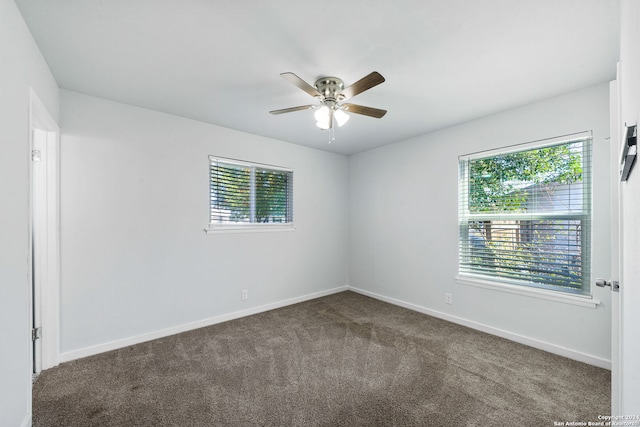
(341, 360)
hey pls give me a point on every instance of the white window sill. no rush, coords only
(248, 228)
(580, 300)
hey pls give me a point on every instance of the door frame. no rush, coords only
(616, 242)
(48, 241)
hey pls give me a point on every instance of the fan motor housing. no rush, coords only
(330, 88)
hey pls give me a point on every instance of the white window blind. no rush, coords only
(249, 193)
(525, 215)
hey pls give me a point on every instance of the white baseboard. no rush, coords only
(541, 345)
(27, 421)
(114, 345)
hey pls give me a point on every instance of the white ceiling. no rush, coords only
(218, 61)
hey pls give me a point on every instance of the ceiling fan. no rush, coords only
(330, 91)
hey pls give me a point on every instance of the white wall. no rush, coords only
(134, 202)
(403, 226)
(630, 213)
(21, 66)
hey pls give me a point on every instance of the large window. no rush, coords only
(249, 195)
(525, 215)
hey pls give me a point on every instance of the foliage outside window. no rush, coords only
(525, 215)
(244, 193)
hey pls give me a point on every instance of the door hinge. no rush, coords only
(36, 155)
(614, 284)
(36, 333)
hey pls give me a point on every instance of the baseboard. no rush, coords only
(541, 345)
(27, 421)
(114, 345)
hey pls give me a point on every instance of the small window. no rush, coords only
(246, 195)
(525, 215)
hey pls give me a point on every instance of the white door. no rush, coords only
(38, 239)
(628, 375)
(45, 236)
(616, 244)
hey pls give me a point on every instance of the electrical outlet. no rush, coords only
(244, 294)
(448, 298)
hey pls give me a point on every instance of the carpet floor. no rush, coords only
(340, 360)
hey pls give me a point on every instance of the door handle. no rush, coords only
(614, 284)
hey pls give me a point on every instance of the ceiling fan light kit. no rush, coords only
(323, 117)
(330, 91)
(341, 117)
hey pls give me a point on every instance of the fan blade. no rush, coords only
(365, 83)
(292, 109)
(301, 84)
(361, 109)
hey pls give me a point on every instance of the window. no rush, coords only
(525, 215)
(246, 195)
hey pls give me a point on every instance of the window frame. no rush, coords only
(583, 296)
(252, 226)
